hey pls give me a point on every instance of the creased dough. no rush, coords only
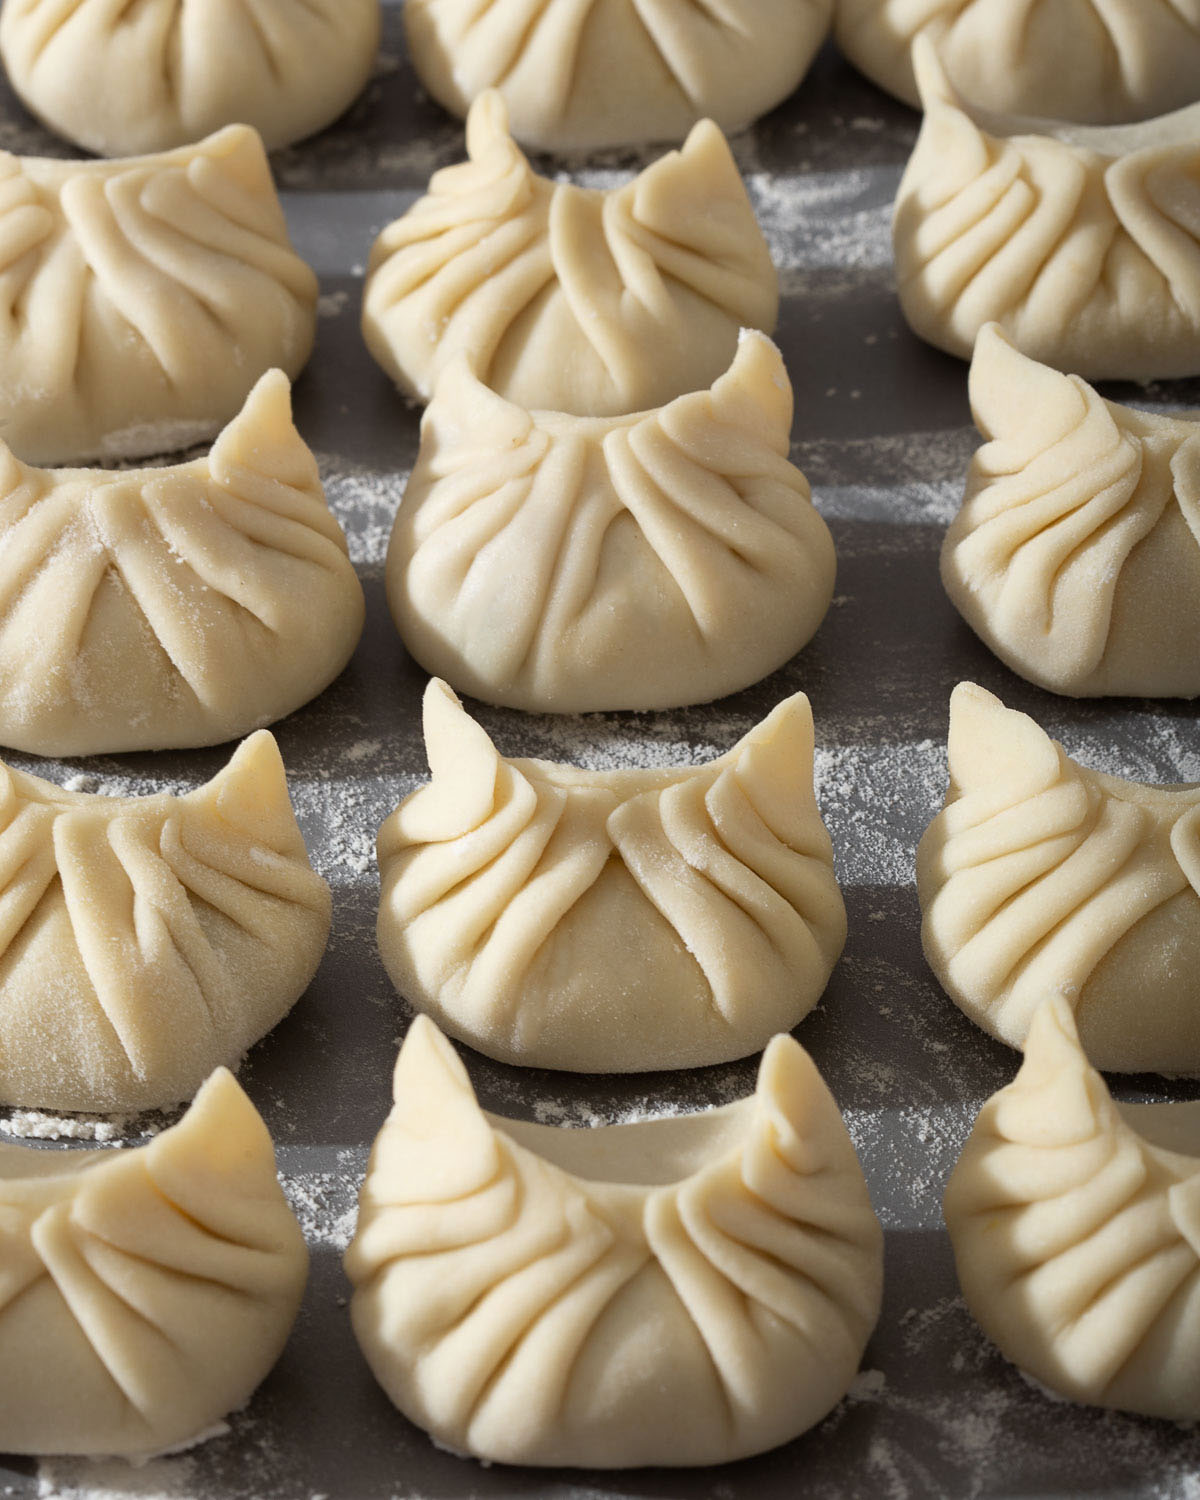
(1076, 555)
(569, 299)
(680, 1291)
(181, 606)
(140, 300)
(583, 74)
(611, 921)
(1102, 62)
(1083, 243)
(118, 78)
(1076, 1229)
(144, 1294)
(145, 940)
(551, 562)
(1041, 877)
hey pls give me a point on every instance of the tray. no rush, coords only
(883, 432)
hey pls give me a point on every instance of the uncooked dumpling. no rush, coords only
(140, 300)
(117, 78)
(182, 606)
(682, 1291)
(1102, 62)
(615, 72)
(563, 563)
(1076, 1230)
(611, 921)
(1076, 555)
(1041, 878)
(145, 940)
(1083, 243)
(568, 299)
(144, 1294)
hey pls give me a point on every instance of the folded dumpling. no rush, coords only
(1102, 62)
(561, 563)
(1075, 1223)
(140, 300)
(179, 606)
(119, 78)
(1076, 555)
(144, 1293)
(680, 1291)
(1040, 877)
(1082, 242)
(611, 921)
(146, 940)
(577, 76)
(564, 298)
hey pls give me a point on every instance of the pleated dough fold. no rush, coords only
(141, 299)
(144, 941)
(1076, 1231)
(1076, 554)
(144, 1294)
(568, 299)
(550, 562)
(181, 606)
(611, 921)
(117, 78)
(675, 1292)
(1101, 62)
(1041, 877)
(580, 76)
(1083, 243)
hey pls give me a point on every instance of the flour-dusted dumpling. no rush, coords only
(1076, 1230)
(146, 940)
(117, 78)
(1102, 62)
(140, 300)
(1076, 555)
(1041, 877)
(1083, 243)
(611, 921)
(564, 298)
(582, 74)
(144, 1294)
(563, 563)
(182, 606)
(681, 1291)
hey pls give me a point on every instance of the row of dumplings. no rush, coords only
(598, 922)
(676, 1292)
(505, 298)
(118, 80)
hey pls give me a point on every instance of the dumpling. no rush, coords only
(1102, 62)
(578, 76)
(1040, 877)
(1083, 243)
(1076, 555)
(140, 300)
(568, 299)
(144, 1294)
(146, 940)
(546, 561)
(161, 607)
(681, 1291)
(1076, 1230)
(611, 921)
(119, 78)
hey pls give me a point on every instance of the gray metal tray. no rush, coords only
(882, 431)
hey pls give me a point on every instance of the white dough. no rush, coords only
(118, 79)
(560, 563)
(611, 921)
(675, 1292)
